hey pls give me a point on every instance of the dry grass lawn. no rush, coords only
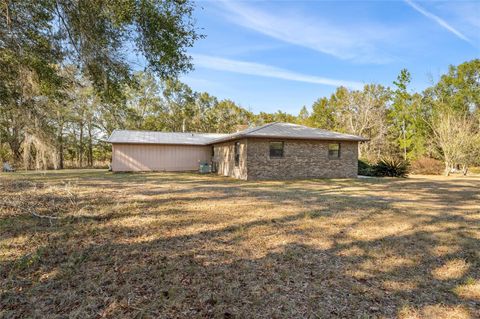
(165, 245)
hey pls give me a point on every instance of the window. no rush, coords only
(237, 153)
(334, 150)
(276, 149)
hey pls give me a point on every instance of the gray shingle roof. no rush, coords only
(152, 137)
(290, 131)
(271, 130)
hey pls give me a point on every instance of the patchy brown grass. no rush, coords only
(183, 246)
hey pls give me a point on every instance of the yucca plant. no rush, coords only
(392, 167)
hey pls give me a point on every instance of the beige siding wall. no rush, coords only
(147, 157)
(302, 159)
(225, 159)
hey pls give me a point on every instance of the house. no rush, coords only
(271, 151)
(160, 151)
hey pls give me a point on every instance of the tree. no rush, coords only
(356, 112)
(264, 118)
(39, 39)
(229, 116)
(419, 130)
(28, 76)
(303, 116)
(95, 33)
(323, 114)
(457, 137)
(145, 104)
(470, 155)
(454, 105)
(205, 119)
(459, 89)
(364, 113)
(180, 103)
(401, 115)
(278, 116)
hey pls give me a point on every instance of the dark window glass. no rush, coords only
(334, 150)
(276, 149)
(237, 153)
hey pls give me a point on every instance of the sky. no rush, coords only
(282, 55)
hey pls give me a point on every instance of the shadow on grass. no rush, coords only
(322, 253)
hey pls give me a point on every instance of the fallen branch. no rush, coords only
(43, 216)
(28, 210)
(55, 200)
(50, 218)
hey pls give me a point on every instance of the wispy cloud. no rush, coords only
(250, 68)
(356, 42)
(438, 20)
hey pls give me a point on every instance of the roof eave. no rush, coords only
(147, 143)
(238, 137)
(226, 139)
(108, 140)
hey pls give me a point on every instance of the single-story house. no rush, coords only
(271, 151)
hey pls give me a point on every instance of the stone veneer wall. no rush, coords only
(224, 156)
(302, 159)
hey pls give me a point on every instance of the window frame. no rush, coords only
(338, 152)
(270, 150)
(236, 153)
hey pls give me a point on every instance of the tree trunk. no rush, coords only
(80, 147)
(60, 154)
(404, 141)
(14, 140)
(90, 145)
(447, 169)
(17, 153)
(80, 144)
(60, 147)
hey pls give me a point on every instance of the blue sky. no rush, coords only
(281, 55)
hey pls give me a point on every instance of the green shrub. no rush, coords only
(391, 167)
(365, 168)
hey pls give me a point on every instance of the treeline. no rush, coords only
(442, 122)
(63, 69)
(66, 84)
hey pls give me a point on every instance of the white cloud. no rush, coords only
(438, 20)
(359, 43)
(250, 68)
(466, 14)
